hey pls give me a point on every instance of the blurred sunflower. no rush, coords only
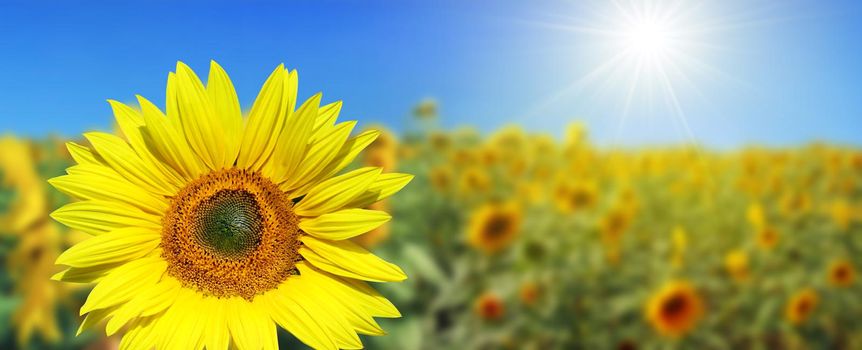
(680, 241)
(800, 306)
(767, 237)
(795, 203)
(210, 228)
(736, 264)
(489, 307)
(841, 213)
(31, 264)
(382, 153)
(494, 226)
(571, 196)
(841, 273)
(614, 223)
(674, 309)
(529, 293)
(756, 215)
(475, 180)
(441, 178)
(22, 196)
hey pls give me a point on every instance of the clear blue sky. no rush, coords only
(791, 72)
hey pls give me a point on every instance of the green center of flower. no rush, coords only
(228, 224)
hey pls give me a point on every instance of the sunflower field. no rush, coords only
(518, 240)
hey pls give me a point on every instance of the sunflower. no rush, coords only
(755, 215)
(31, 264)
(210, 228)
(736, 264)
(529, 293)
(382, 152)
(572, 196)
(22, 196)
(800, 306)
(490, 307)
(680, 241)
(841, 273)
(475, 180)
(614, 224)
(441, 178)
(767, 237)
(674, 309)
(494, 226)
(842, 214)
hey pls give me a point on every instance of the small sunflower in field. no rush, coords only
(22, 196)
(382, 153)
(572, 196)
(767, 237)
(614, 224)
(209, 228)
(494, 226)
(842, 213)
(841, 273)
(795, 203)
(441, 178)
(800, 306)
(490, 307)
(675, 309)
(736, 264)
(529, 293)
(679, 238)
(755, 215)
(475, 180)
(31, 264)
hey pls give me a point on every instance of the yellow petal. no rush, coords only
(169, 141)
(89, 274)
(122, 283)
(326, 117)
(326, 314)
(344, 224)
(120, 245)
(82, 154)
(345, 258)
(101, 184)
(349, 151)
(149, 301)
(319, 156)
(217, 335)
(201, 125)
(97, 217)
(249, 327)
(334, 193)
(265, 121)
(290, 315)
(293, 142)
(132, 125)
(359, 292)
(224, 101)
(385, 186)
(127, 163)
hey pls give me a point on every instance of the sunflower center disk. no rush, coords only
(231, 233)
(228, 224)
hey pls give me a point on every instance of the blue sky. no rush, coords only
(779, 73)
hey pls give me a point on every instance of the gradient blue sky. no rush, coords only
(790, 70)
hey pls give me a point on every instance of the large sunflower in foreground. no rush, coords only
(210, 228)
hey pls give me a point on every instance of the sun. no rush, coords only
(648, 37)
(643, 64)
